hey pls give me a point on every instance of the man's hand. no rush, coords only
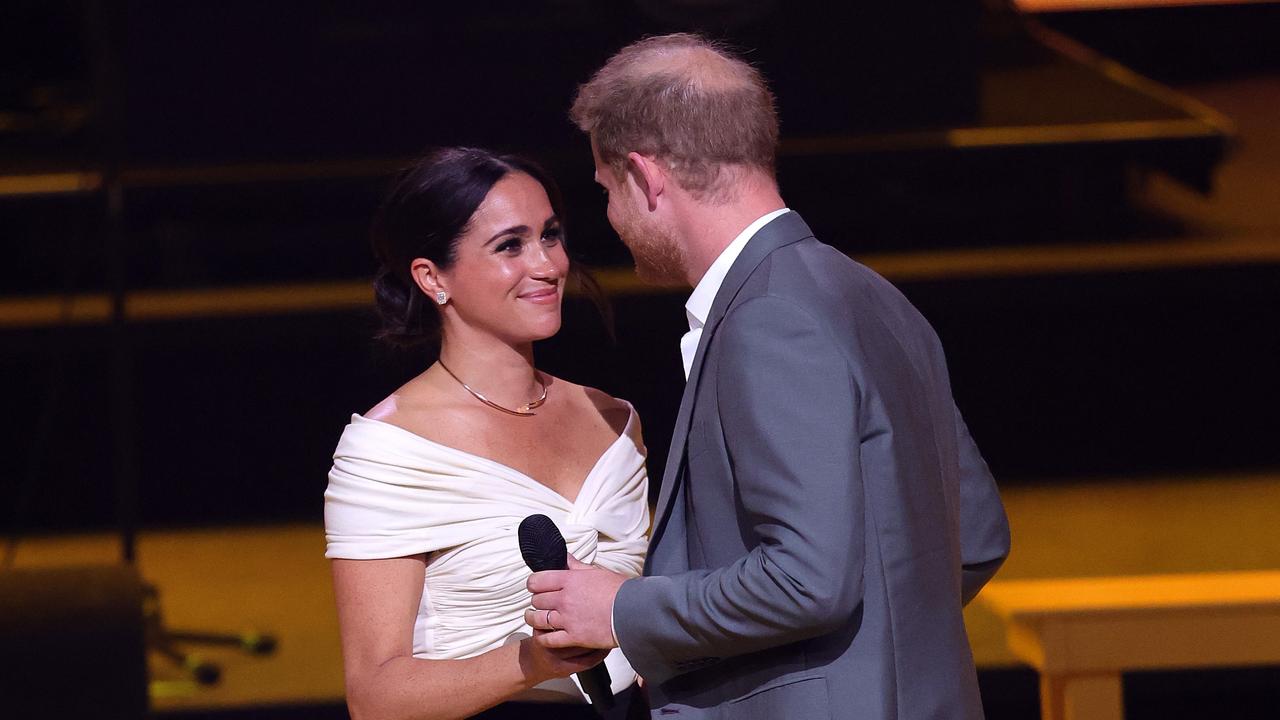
(573, 607)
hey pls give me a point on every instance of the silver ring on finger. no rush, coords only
(550, 627)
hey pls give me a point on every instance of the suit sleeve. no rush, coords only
(789, 412)
(984, 527)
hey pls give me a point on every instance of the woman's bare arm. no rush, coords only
(377, 606)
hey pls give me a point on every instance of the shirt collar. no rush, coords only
(698, 306)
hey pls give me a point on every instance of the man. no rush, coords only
(824, 514)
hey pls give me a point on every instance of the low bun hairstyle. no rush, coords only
(426, 211)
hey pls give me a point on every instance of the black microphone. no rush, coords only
(542, 547)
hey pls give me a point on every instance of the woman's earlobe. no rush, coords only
(423, 274)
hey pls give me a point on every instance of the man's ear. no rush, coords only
(649, 175)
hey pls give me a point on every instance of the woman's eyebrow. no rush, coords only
(513, 230)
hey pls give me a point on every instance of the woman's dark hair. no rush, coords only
(425, 213)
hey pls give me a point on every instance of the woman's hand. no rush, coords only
(540, 664)
(378, 603)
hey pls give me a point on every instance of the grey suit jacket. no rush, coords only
(824, 514)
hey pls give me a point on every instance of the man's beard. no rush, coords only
(659, 257)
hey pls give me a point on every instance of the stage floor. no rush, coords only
(275, 578)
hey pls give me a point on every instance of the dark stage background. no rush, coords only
(250, 142)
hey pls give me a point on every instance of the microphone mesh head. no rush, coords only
(541, 544)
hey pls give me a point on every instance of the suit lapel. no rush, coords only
(783, 230)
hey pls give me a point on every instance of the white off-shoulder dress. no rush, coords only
(394, 493)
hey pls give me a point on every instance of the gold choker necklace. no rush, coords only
(523, 411)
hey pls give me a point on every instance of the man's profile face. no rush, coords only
(659, 257)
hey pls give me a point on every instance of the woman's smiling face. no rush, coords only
(508, 275)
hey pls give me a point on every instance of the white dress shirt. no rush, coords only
(699, 304)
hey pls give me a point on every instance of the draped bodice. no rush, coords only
(393, 493)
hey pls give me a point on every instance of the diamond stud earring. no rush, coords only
(442, 297)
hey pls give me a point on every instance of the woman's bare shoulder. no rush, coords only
(385, 410)
(615, 411)
(409, 404)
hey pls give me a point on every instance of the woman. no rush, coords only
(428, 487)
